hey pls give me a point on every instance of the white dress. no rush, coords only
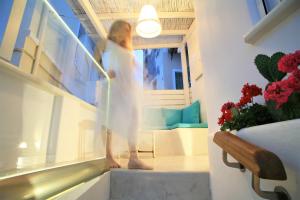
(125, 90)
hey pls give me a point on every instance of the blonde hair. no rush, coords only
(120, 33)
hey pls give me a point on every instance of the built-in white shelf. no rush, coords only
(270, 21)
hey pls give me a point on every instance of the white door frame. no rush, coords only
(186, 87)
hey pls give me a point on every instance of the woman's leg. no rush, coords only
(134, 161)
(109, 155)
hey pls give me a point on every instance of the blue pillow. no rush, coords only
(172, 116)
(191, 114)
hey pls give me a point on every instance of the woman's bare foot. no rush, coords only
(112, 163)
(135, 163)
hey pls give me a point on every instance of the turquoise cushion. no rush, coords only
(192, 125)
(172, 116)
(191, 114)
(151, 128)
(203, 125)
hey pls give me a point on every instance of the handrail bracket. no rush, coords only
(232, 164)
(279, 192)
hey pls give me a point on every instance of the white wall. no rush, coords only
(227, 64)
(196, 69)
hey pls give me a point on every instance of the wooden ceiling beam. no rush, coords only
(163, 33)
(161, 15)
(169, 32)
(156, 45)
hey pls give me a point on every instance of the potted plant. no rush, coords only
(254, 121)
(281, 94)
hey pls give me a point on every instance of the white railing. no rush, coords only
(48, 88)
(164, 98)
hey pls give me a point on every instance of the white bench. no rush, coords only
(175, 142)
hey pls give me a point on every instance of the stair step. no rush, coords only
(154, 185)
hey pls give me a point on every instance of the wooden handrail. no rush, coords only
(261, 162)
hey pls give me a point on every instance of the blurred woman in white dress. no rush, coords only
(125, 91)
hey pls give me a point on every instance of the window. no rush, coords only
(269, 5)
(178, 80)
(162, 69)
(263, 7)
(259, 12)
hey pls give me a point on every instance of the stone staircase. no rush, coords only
(159, 185)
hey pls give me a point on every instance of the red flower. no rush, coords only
(226, 113)
(226, 117)
(249, 91)
(297, 56)
(279, 92)
(227, 106)
(243, 101)
(289, 62)
(221, 120)
(294, 80)
(296, 73)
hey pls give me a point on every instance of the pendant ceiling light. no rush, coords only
(148, 25)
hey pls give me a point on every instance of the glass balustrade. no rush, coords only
(53, 93)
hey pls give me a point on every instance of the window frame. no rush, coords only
(265, 24)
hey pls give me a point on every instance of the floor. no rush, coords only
(173, 178)
(175, 163)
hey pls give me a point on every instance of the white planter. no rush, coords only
(283, 139)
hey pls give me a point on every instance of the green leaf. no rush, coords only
(235, 112)
(277, 114)
(262, 63)
(275, 73)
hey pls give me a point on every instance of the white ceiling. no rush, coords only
(176, 17)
